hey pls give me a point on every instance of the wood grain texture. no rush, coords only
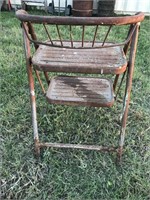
(106, 60)
(82, 91)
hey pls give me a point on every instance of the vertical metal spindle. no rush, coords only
(83, 30)
(39, 80)
(59, 35)
(47, 77)
(115, 83)
(48, 34)
(95, 36)
(71, 39)
(106, 35)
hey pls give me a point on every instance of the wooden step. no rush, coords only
(89, 61)
(81, 91)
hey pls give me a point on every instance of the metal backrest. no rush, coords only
(92, 32)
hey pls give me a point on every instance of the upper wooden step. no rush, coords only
(80, 91)
(94, 61)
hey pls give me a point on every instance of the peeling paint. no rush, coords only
(124, 106)
(122, 136)
(32, 93)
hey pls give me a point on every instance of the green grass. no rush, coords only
(70, 174)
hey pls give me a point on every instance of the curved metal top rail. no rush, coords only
(60, 20)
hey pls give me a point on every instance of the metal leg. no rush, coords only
(47, 77)
(127, 91)
(123, 123)
(115, 82)
(32, 93)
(33, 109)
(123, 76)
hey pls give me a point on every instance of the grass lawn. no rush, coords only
(70, 174)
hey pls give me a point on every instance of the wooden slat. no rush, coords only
(80, 91)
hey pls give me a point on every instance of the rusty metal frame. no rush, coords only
(82, 47)
(132, 42)
(126, 101)
(25, 17)
(31, 90)
(126, 48)
(78, 146)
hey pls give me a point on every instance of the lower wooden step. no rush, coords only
(81, 91)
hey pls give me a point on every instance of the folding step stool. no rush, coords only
(73, 52)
